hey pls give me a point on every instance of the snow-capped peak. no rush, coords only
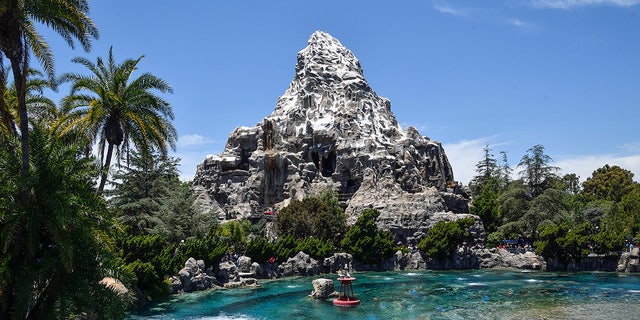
(329, 92)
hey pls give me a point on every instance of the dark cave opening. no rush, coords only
(329, 164)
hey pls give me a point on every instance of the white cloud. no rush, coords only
(193, 140)
(584, 166)
(568, 4)
(521, 24)
(448, 9)
(463, 156)
(192, 150)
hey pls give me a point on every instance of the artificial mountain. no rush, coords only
(330, 130)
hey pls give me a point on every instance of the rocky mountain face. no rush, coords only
(331, 130)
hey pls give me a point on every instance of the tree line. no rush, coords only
(565, 219)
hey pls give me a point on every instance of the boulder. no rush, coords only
(243, 282)
(300, 265)
(337, 262)
(255, 268)
(629, 261)
(409, 261)
(322, 288)
(193, 277)
(270, 270)
(500, 258)
(244, 264)
(227, 272)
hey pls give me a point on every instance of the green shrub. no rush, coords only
(316, 248)
(444, 237)
(365, 242)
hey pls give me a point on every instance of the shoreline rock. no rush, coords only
(195, 277)
(322, 288)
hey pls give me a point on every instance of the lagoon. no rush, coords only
(431, 294)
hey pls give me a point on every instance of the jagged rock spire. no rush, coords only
(329, 92)
(326, 58)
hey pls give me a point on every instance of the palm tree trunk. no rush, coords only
(20, 79)
(105, 168)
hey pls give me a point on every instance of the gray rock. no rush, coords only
(322, 288)
(244, 264)
(629, 261)
(244, 282)
(500, 258)
(227, 272)
(193, 277)
(300, 265)
(255, 268)
(192, 266)
(409, 261)
(337, 262)
(330, 130)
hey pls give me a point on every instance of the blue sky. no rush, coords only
(507, 73)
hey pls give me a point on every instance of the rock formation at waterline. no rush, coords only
(331, 130)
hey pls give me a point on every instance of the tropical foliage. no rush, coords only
(60, 236)
(56, 245)
(116, 110)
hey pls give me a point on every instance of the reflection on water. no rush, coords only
(477, 294)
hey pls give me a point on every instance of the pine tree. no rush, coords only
(488, 173)
(536, 170)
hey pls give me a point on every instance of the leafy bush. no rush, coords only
(261, 249)
(495, 238)
(316, 248)
(444, 237)
(319, 217)
(366, 242)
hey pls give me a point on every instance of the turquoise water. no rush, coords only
(475, 294)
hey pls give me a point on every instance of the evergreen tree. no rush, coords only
(536, 170)
(486, 206)
(571, 183)
(488, 173)
(514, 202)
(505, 171)
(444, 237)
(149, 198)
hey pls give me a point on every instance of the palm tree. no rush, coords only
(67, 247)
(115, 110)
(19, 37)
(40, 108)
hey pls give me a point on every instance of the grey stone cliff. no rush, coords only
(330, 130)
